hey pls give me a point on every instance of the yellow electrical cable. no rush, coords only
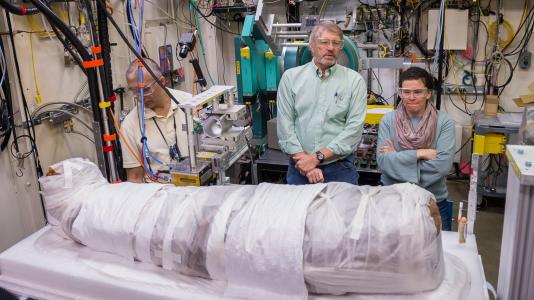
(38, 97)
(457, 61)
(492, 29)
(414, 5)
(457, 83)
(385, 53)
(521, 22)
(323, 7)
(41, 32)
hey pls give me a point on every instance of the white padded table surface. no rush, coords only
(46, 266)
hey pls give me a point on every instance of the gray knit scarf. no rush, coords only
(423, 136)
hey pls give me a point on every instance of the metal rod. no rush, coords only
(293, 44)
(113, 176)
(440, 60)
(293, 36)
(291, 32)
(231, 99)
(190, 138)
(367, 46)
(213, 148)
(287, 25)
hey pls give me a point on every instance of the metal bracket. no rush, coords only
(56, 117)
(452, 89)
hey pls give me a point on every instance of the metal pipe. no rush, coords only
(39, 108)
(293, 44)
(293, 36)
(367, 46)
(190, 138)
(441, 56)
(214, 148)
(231, 99)
(70, 115)
(290, 32)
(287, 25)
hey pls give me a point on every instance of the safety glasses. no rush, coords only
(338, 44)
(418, 93)
(148, 89)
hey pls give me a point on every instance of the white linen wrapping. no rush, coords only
(266, 242)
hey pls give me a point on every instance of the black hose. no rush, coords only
(92, 79)
(9, 104)
(68, 47)
(17, 9)
(103, 35)
(106, 92)
(489, 70)
(85, 56)
(31, 128)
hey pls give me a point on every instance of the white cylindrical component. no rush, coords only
(214, 126)
(213, 148)
(231, 99)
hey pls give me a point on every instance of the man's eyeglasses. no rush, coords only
(405, 93)
(148, 89)
(338, 44)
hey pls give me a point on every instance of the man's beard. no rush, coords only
(326, 62)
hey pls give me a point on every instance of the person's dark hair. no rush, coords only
(416, 73)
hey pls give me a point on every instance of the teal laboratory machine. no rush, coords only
(262, 54)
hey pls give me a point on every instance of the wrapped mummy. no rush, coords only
(267, 241)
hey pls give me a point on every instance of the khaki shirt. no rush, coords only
(131, 131)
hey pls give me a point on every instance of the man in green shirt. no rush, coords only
(321, 110)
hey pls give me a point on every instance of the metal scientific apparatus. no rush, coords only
(217, 137)
(263, 52)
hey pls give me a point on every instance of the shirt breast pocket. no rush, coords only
(339, 107)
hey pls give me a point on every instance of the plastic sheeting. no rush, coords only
(266, 241)
(372, 240)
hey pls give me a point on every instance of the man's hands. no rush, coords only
(315, 176)
(307, 164)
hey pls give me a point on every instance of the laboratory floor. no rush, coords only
(488, 227)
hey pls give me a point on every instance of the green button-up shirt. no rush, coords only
(314, 113)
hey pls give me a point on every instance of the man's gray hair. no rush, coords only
(131, 72)
(327, 26)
